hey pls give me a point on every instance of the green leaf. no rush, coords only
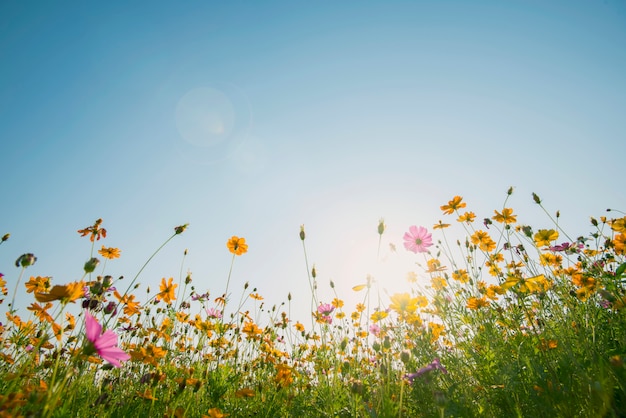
(620, 270)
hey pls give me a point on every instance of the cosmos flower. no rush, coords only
(237, 245)
(417, 239)
(434, 365)
(105, 344)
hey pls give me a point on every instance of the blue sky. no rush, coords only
(252, 118)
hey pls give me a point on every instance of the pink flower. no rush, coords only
(417, 239)
(325, 309)
(105, 344)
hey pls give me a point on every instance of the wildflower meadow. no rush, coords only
(512, 320)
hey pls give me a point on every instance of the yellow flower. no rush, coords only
(215, 413)
(460, 276)
(378, 316)
(505, 217)
(483, 240)
(543, 237)
(440, 225)
(337, 303)
(299, 327)
(237, 245)
(454, 204)
(37, 284)
(436, 329)
(476, 303)
(532, 284)
(549, 259)
(411, 277)
(109, 253)
(618, 225)
(619, 242)
(67, 293)
(403, 303)
(438, 283)
(167, 290)
(434, 265)
(467, 217)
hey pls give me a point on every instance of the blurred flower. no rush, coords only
(91, 265)
(109, 253)
(454, 204)
(434, 365)
(440, 225)
(460, 276)
(214, 313)
(67, 293)
(374, 329)
(105, 344)
(543, 237)
(237, 245)
(417, 239)
(325, 309)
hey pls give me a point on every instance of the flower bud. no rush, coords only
(536, 199)
(302, 234)
(25, 260)
(381, 226)
(91, 265)
(5, 237)
(180, 229)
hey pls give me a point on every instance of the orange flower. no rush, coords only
(476, 303)
(109, 253)
(454, 204)
(68, 293)
(37, 284)
(167, 290)
(237, 245)
(505, 217)
(95, 231)
(215, 413)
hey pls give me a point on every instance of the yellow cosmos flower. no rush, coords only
(378, 316)
(543, 237)
(619, 242)
(506, 217)
(109, 253)
(237, 245)
(37, 284)
(527, 285)
(403, 303)
(461, 276)
(476, 303)
(483, 240)
(467, 217)
(67, 293)
(438, 283)
(618, 225)
(434, 265)
(440, 225)
(167, 290)
(454, 204)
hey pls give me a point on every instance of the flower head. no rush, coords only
(109, 253)
(417, 239)
(237, 245)
(105, 344)
(434, 365)
(455, 204)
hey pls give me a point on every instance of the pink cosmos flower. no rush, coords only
(105, 344)
(417, 239)
(325, 309)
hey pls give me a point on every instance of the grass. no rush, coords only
(515, 321)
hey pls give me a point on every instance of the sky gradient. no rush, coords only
(253, 118)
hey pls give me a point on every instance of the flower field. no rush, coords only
(510, 321)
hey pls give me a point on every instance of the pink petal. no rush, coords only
(114, 355)
(92, 328)
(106, 340)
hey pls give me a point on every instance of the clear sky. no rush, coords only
(252, 118)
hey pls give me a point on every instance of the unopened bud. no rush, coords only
(25, 260)
(381, 226)
(302, 234)
(536, 199)
(180, 229)
(5, 237)
(313, 272)
(91, 265)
